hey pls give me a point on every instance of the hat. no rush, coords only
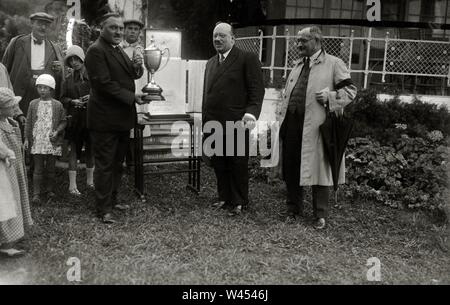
(74, 50)
(42, 16)
(8, 98)
(135, 21)
(47, 80)
(106, 16)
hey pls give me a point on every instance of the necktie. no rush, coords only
(305, 63)
(298, 95)
(221, 58)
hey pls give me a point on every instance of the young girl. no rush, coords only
(44, 134)
(15, 213)
(74, 98)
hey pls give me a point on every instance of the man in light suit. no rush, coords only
(233, 92)
(317, 81)
(111, 110)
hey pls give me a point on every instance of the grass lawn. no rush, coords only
(177, 238)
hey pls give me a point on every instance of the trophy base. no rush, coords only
(152, 97)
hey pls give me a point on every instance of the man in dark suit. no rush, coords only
(111, 110)
(233, 92)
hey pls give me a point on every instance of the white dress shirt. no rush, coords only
(131, 48)
(314, 57)
(225, 55)
(37, 55)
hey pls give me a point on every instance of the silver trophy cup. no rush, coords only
(152, 61)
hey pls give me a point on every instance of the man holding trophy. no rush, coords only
(111, 112)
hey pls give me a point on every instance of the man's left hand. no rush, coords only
(249, 121)
(137, 61)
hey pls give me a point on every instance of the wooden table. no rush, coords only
(192, 161)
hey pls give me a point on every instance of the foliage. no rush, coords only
(377, 119)
(92, 9)
(11, 26)
(399, 153)
(197, 32)
(15, 7)
(412, 172)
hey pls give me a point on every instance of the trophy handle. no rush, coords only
(166, 50)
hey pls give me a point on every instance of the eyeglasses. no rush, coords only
(303, 40)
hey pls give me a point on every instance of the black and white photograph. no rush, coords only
(225, 149)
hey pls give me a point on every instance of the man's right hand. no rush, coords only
(139, 100)
(77, 103)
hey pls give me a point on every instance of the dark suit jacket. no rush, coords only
(112, 96)
(233, 88)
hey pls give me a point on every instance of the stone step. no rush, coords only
(149, 148)
(168, 139)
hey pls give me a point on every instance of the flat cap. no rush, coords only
(135, 21)
(42, 16)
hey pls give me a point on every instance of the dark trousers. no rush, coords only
(47, 164)
(232, 171)
(232, 179)
(129, 157)
(291, 133)
(109, 149)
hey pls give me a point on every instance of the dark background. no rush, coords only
(195, 18)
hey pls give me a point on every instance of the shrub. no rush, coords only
(411, 173)
(377, 119)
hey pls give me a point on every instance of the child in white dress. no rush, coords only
(44, 135)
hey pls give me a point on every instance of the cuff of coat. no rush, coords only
(251, 115)
(18, 116)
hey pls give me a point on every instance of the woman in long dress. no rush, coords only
(15, 214)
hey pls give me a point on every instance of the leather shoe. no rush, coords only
(294, 213)
(320, 224)
(237, 210)
(294, 209)
(108, 218)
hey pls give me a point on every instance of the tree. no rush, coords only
(15, 7)
(196, 19)
(91, 10)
